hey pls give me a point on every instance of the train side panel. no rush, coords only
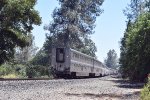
(81, 64)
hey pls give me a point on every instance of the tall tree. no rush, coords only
(23, 55)
(73, 22)
(17, 18)
(135, 60)
(111, 61)
(135, 8)
(123, 50)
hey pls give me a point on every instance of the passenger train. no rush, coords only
(68, 62)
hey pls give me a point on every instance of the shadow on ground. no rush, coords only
(119, 96)
(126, 83)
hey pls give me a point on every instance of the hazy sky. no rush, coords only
(110, 26)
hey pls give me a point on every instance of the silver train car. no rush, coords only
(68, 62)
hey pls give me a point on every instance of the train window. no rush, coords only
(82, 57)
(75, 65)
(85, 59)
(74, 55)
(82, 68)
(60, 55)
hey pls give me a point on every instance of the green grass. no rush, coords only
(10, 76)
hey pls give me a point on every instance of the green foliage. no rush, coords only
(17, 18)
(135, 8)
(21, 71)
(5, 69)
(11, 70)
(41, 63)
(41, 58)
(135, 49)
(72, 25)
(24, 55)
(111, 61)
(145, 93)
(33, 71)
(10, 76)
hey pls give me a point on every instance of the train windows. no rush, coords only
(80, 56)
(88, 60)
(60, 55)
(76, 56)
(72, 55)
(82, 68)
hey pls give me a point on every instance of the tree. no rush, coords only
(39, 64)
(72, 24)
(135, 49)
(41, 58)
(111, 61)
(123, 50)
(135, 8)
(23, 55)
(88, 47)
(17, 18)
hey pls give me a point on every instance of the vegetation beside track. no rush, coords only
(145, 93)
(24, 71)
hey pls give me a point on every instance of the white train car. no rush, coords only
(69, 62)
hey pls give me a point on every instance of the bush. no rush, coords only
(6, 69)
(24, 70)
(145, 93)
(20, 70)
(12, 71)
(37, 71)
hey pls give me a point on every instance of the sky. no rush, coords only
(110, 25)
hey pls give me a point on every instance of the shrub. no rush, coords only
(20, 70)
(12, 71)
(145, 93)
(6, 69)
(36, 71)
(24, 70)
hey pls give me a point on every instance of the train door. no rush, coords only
(60, 55)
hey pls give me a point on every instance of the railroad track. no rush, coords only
(17, 79)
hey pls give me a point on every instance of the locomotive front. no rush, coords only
(60, 61)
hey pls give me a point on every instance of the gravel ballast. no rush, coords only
(105, 88)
